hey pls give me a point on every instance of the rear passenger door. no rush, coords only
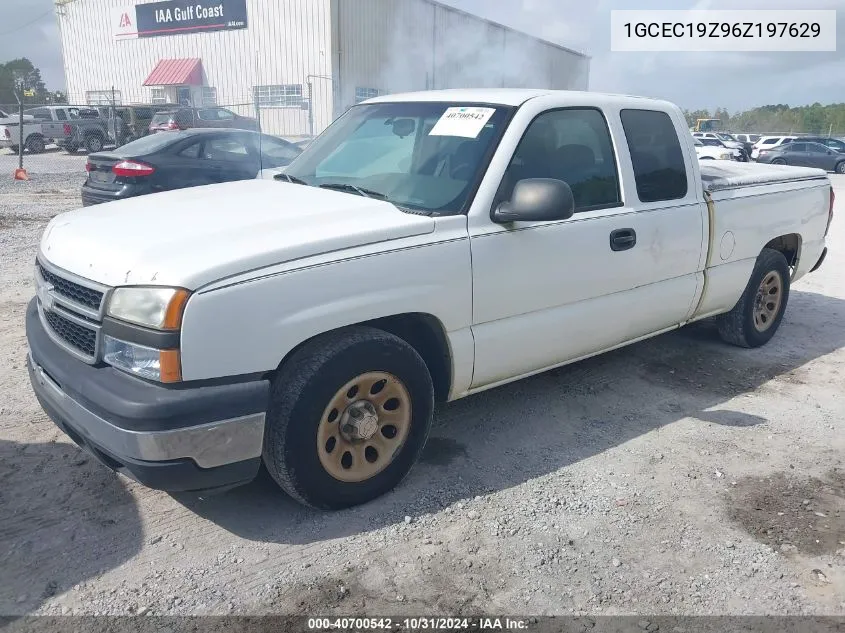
(624, 266)
(230, 157)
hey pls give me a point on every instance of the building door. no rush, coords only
(183, 96)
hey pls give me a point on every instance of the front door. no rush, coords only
(624, 266)
(183, 96)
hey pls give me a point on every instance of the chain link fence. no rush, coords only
(56, 138)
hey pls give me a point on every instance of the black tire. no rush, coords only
(72, 149)
(737, 326)
(301, 393)
(840, 167)
(35, 144)
(15, 149)
(93, 143)
(778, 161)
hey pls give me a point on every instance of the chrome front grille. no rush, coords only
(71, 310)
(78, 336)
(72, 291)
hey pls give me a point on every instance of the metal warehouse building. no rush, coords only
(297, 64)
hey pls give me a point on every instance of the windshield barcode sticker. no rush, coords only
(465, 122)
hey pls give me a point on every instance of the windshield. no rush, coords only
(423, 156)
(725, 137)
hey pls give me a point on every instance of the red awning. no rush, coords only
(176, 72)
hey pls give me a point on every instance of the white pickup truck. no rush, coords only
(424, 248)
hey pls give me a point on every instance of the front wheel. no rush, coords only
(349, 415)
(778, 161)
(840, 168)
(759, 312)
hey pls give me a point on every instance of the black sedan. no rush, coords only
(804, 154)
(175, 160)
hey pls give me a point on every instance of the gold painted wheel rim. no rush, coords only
(363, 427)
(768, 300)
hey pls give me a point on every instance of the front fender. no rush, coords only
(250, 326)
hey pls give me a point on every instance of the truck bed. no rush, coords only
(725, 174)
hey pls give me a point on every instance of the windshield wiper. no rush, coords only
(341, 186)
(289, 178)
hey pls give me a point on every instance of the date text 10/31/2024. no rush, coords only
(419, 624)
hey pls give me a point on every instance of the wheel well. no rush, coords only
(789, 245)
(425, 334)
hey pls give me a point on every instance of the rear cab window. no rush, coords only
(656, 155)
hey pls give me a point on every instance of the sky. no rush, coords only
(736, 81)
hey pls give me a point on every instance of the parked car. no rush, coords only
(162, 162)
(769, 142)
(827, 141)
(804, 154)
(735, 153)
(312, 323)
(727, 140)
(710, 152)
(134, 121)
(748, 139)
(184, 118)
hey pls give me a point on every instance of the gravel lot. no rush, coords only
(676, 476)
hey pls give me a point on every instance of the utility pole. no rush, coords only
(20, 172)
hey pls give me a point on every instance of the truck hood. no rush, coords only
(192, 237)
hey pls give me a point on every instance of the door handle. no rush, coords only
(623, 239)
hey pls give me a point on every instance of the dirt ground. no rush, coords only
(677, 476)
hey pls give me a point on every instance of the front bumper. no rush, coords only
(178, 439)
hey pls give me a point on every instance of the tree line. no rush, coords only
(19, 72)
(780, 118)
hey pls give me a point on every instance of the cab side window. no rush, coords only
(656, 155)
(572, 145)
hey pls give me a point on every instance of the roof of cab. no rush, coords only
(498, 96)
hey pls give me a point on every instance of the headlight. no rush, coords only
(144, 362)
(155, 307)
(725, 156)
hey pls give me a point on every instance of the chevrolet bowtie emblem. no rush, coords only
(45, 296)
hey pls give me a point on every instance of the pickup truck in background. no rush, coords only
(10, 136)
(423, 248)
(7, 117)
(72, 127)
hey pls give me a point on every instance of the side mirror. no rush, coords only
(537, 200)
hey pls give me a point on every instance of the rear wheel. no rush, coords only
(15, 149)
(759, 312)
(35, 144)
(72, 149)
(93, 143)
(349, 415)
